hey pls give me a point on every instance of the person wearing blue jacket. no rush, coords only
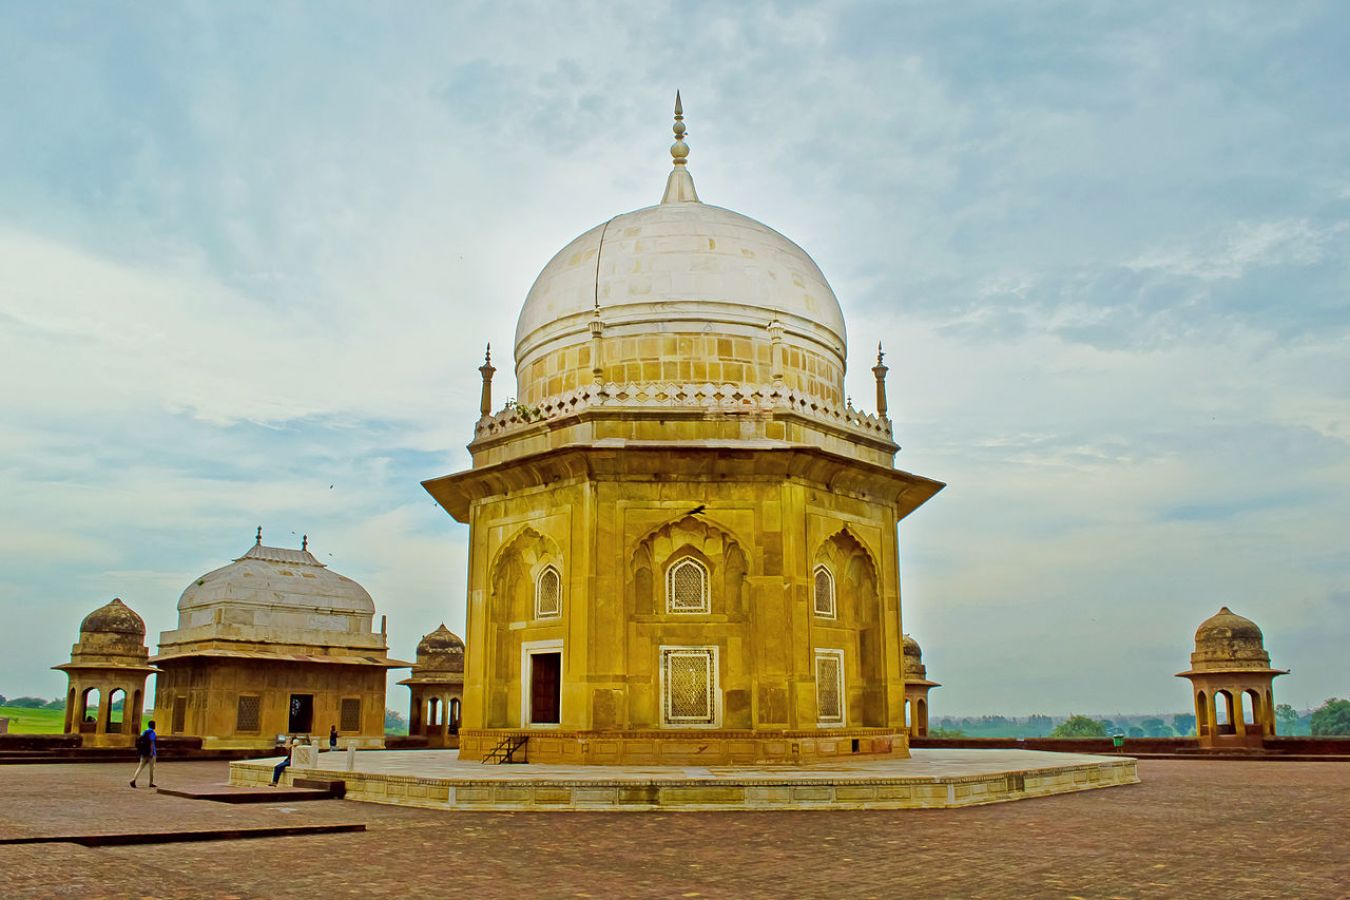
(147, 748)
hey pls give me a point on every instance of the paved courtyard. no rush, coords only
(1190, 829)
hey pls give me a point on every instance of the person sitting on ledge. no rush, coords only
(285, 761)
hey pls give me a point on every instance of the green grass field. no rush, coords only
(34, 721)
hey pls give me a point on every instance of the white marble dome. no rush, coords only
(681, 267)
(278, 588)
(679, 264)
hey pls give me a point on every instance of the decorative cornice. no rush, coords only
(708, 398)
(754, 460)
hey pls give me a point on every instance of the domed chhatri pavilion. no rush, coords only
(273, 643)
(437, 688)
(682, 533)
(917, 687)
(1231, 677)
(108, 667)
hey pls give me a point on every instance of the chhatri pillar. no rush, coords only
(107, 666)
(917, 687)
(682, 536)
(437, 688)
(1232, 682)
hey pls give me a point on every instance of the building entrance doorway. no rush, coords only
(302, 713)
(545, 688)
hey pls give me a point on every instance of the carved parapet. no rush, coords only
(712, 398)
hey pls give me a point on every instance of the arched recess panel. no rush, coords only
(858, 609)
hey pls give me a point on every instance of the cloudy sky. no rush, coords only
(249, 257)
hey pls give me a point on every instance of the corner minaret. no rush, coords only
(487, 369)
(879, 372)
(680, 184)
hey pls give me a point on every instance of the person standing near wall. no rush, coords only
(147, 748)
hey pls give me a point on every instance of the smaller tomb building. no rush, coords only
(1232, 681)
(273, 644)
(437, 687)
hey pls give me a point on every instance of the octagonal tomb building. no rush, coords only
(683, 536)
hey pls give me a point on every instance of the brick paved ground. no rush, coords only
(1191, 829)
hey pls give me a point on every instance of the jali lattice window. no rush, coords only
(830, 687)
(689, 685)
(687, 587)
(548, 594)
(351, 714)
(824, 592)
(246, 719)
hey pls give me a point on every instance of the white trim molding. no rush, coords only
(527, 650)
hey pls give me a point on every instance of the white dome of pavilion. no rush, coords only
(279, 588)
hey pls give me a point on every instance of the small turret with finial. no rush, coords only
(879, 372)
(486, 370)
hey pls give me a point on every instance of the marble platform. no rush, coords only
(437, 779)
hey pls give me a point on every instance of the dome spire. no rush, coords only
(680, 184)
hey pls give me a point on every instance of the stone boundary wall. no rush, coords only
(1302, 746)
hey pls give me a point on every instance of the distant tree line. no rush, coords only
(34, 703)
(1332, 718)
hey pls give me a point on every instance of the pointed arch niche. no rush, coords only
(853, 621)
(667, 564)
(528, 593)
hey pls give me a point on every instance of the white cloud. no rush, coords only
(1241, 248)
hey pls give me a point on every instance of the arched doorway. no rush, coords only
(1224, 713)
(434, 713)
(89, 710)
(117, 709)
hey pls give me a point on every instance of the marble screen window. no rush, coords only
(824, 592)
(687, 587)
(548, 594)
(689, 694)
(830, 687)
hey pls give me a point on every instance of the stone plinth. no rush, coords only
(689, 748)
(438, 779)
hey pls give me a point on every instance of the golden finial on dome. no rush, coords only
(679, 186)
(679, 150)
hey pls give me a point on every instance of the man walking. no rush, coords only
(147, 749)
